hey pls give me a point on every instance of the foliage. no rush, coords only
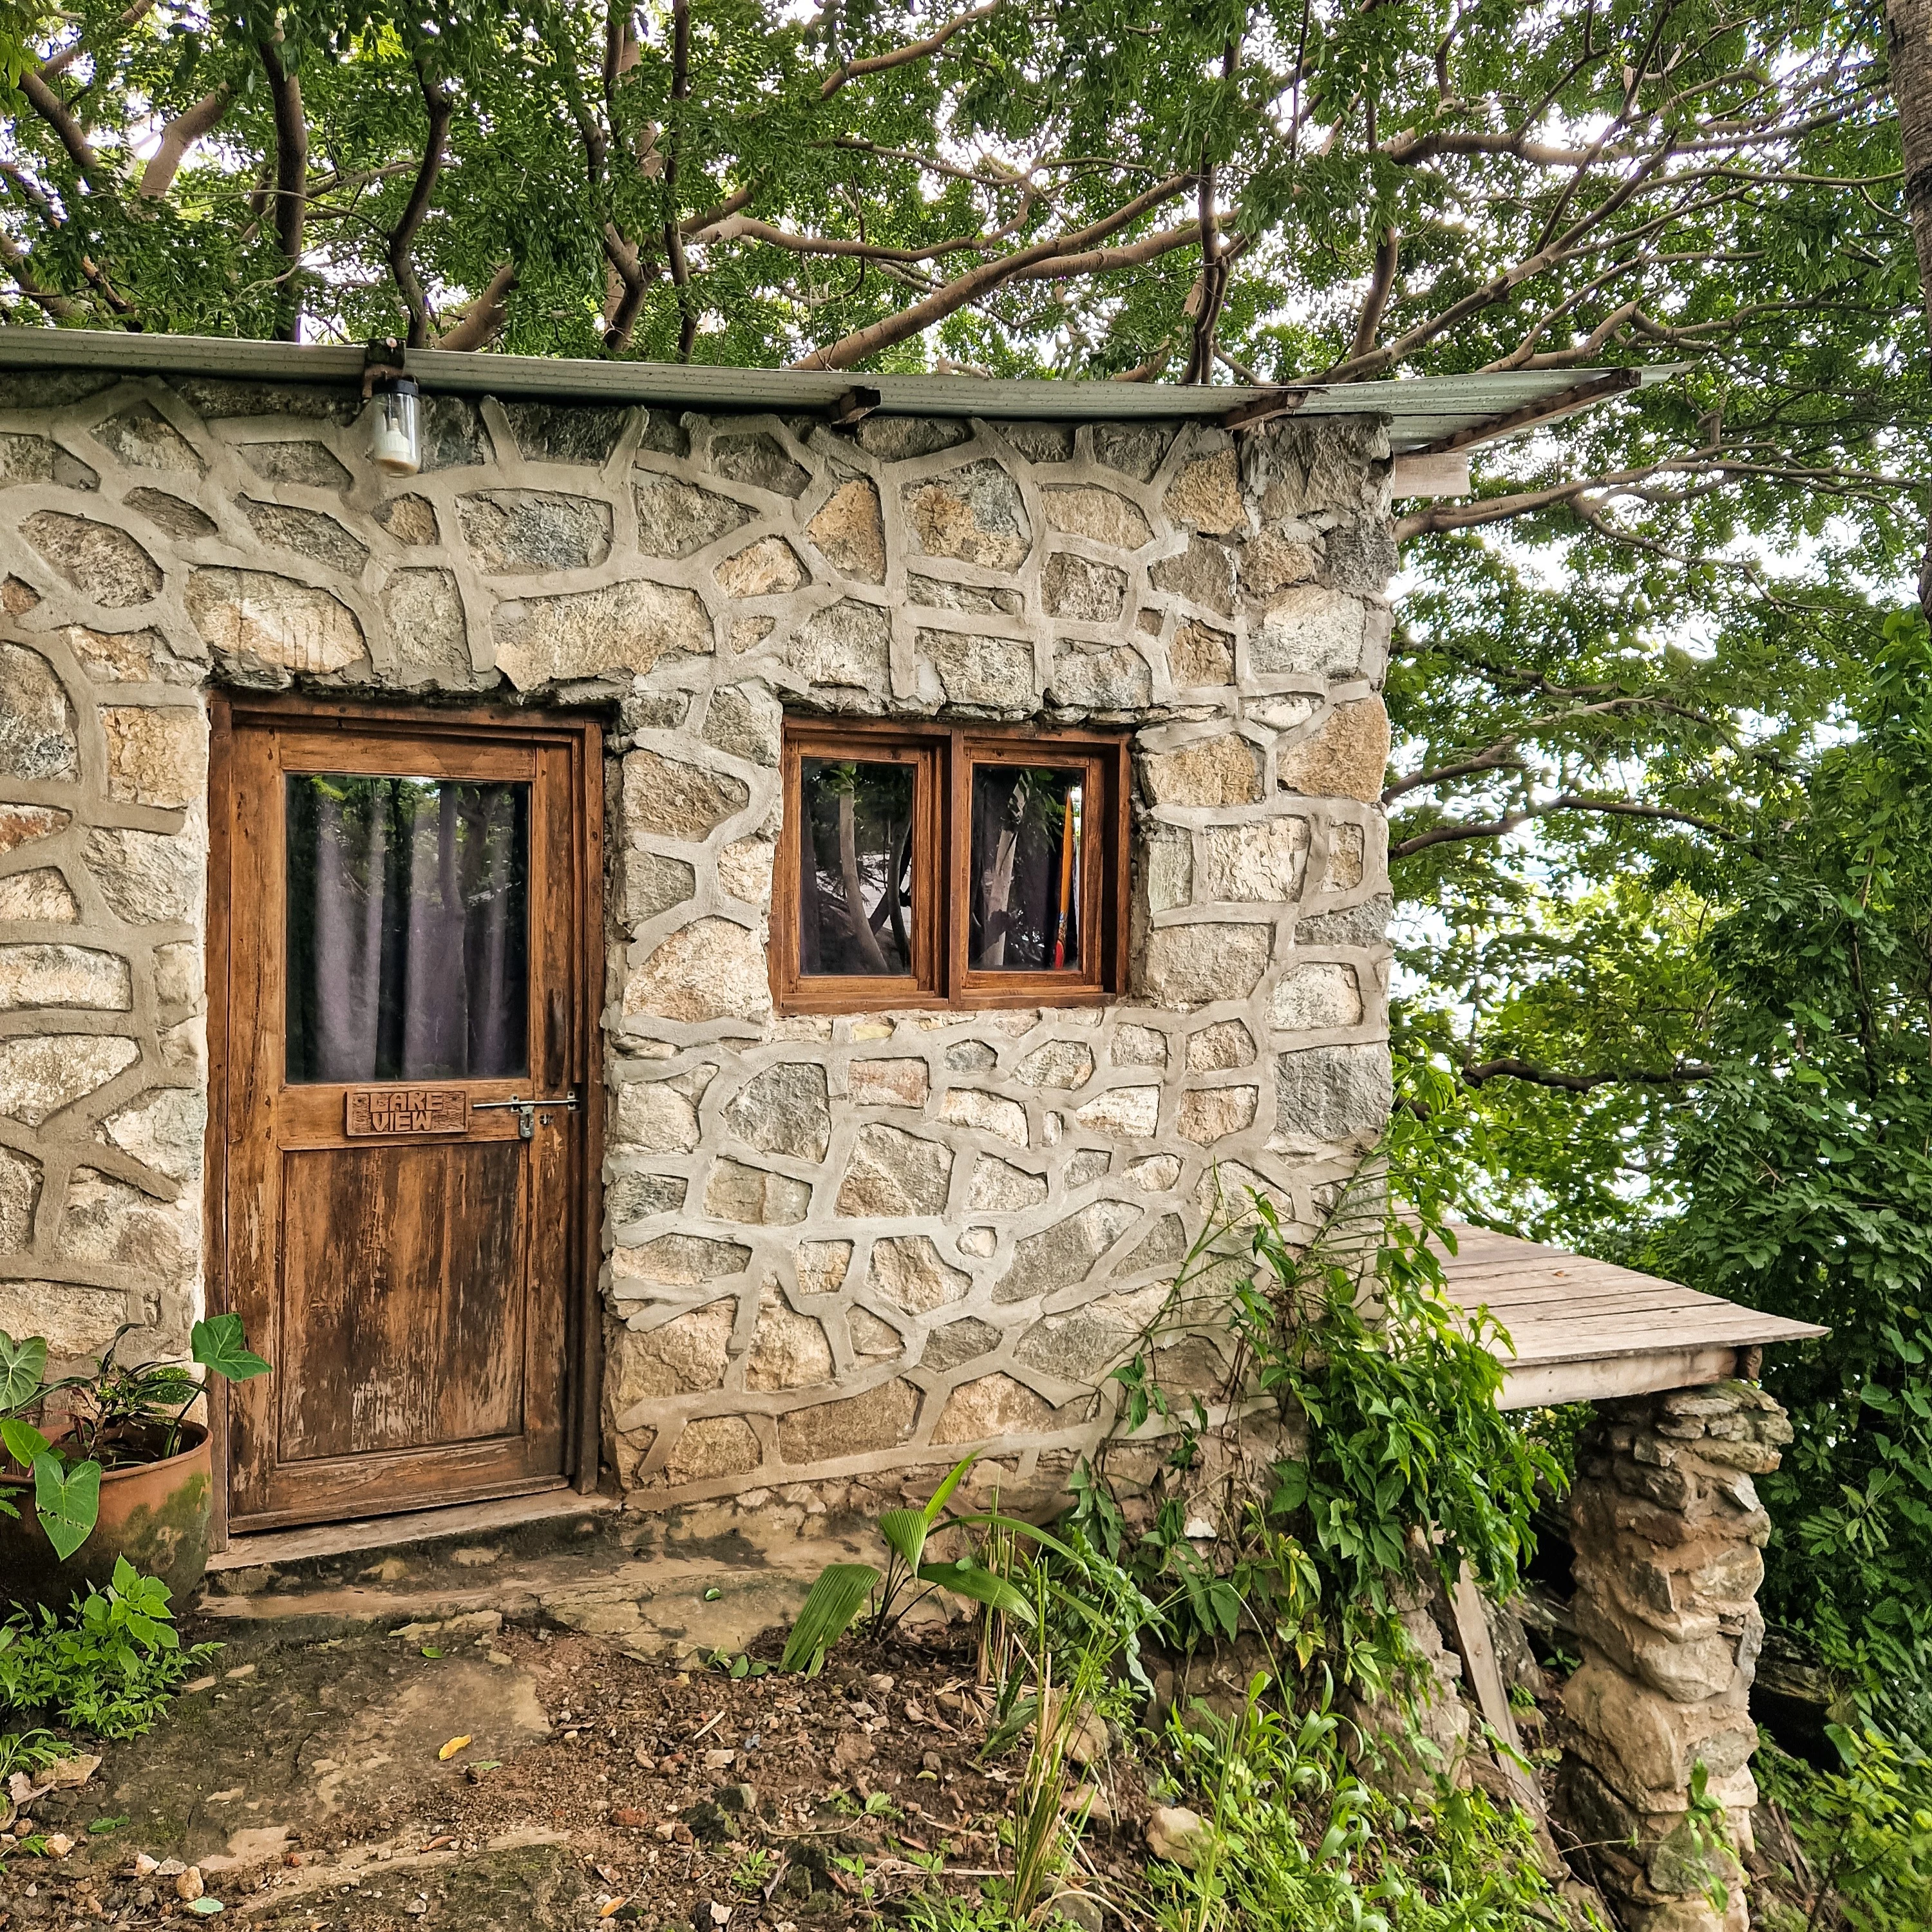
(108, 1667)
(842, 1588)
(1392, 1393)
(116, 1415)
(1295, 1837)
(1865, 1832)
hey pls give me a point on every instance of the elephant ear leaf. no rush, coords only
(21, 1440)
(67, 1501)
(218, 1344)
(23, 1365)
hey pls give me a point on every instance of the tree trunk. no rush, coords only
(1908, 43)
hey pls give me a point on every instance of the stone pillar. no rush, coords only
(1667, 1527)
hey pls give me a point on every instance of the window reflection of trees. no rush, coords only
(1025, 875)
(407, 928)
(856, 884)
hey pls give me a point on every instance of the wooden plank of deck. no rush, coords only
(1582, 1330)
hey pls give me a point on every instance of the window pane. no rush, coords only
(1025, 879)
(408, 929)
(855, 897)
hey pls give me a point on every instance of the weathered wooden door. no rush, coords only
(402, 1092)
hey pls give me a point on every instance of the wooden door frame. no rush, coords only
(584, 735)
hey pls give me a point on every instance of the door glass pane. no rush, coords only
(408, 929)
(855, 896)
(1025, 878)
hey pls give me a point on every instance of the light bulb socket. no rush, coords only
(395, 443)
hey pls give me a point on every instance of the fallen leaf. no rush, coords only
(208, 1907)
(429, 1650)
(102, 1826)
(437, 1844)
(711, 1596)
(455, 1745)
(614, 1906)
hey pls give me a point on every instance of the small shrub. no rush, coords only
(108, 1667)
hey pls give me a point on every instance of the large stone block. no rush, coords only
(676, 518)
(1207, 494)
(41, 895)
(996, 1407)
(892, 1172)
(623, 628)
(769, 568)
(103, 564)
(1200, 655)
(784, 1110)
(1310, 632)
(163, 1128)
(680, 1260)
(1220, 771)
(40, 1073)
(1122, 1113)
(148, 878)
(1261, 861)
(1077, 588)
(1102, 516)
(758, 459)
(37, 726)
(1646, 1744)
(428, 630)
(653, 884)
(788, 1350)
(1066, 1064)
(309, 533)
(713, 969)
(754, 1195)
(684, 1356)
(1108, 677)
(958, 1343)
(106, 1220)
(75, 1319)
(1214, 1113)
(534, 530)
(1204, 574)
(677, 800)
(745, 720)
(1193, 965)
(658, 1116)
(998, 1187)
(990, 1113)
(1067, 1252)
(994, 671)
(1326, 994)
(850, 533)
(273, 620)
(909, 1272)
(301, 460)
(63, 976)
(1333, 1093)
(858, 1425)
(846, 645)
(974, 514)
(712, 1447)
(156, 754)
(1083, 1346)
(19, 1196)
(1344, 756)
(887, 1083)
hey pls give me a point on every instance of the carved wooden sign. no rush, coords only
(408, 1110)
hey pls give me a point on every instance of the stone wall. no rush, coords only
(1667, 1528)
(832, 1246)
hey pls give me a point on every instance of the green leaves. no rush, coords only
(23, 1364)
(68, 1501)
(217, 1344)
(826, 1615)
(22, 1441)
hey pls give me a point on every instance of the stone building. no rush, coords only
(780, 1240)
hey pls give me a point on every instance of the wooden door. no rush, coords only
(405, 1099)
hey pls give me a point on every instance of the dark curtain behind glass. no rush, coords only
(407, 928)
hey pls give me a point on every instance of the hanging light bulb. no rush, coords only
(395, 442)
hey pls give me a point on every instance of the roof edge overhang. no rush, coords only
(1424, 414)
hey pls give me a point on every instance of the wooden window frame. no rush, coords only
(944, 755)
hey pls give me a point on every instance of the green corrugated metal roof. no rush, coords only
(1423, 412)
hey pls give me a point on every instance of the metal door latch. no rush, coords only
(526, 1111)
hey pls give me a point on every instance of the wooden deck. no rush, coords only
(1583, 1330)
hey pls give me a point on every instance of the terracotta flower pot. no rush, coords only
(155, 1514)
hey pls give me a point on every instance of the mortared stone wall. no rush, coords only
(834, 1248)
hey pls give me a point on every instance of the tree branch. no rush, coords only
(1381, 285)
(402, 238)
(1501, 757)
(484, 316)
(179, 136)
(1686, 1073)
(976, 282)
(54, 111)
(914, 50)
(291, 181)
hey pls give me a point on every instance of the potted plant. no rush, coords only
(124, 1473)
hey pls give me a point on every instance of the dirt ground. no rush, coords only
(304, 1783)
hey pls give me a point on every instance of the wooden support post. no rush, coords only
(1485, 1679)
